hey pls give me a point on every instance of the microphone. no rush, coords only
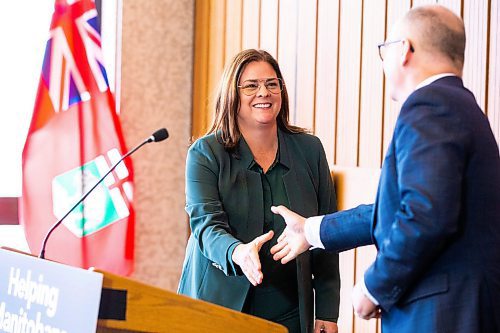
(157, 136)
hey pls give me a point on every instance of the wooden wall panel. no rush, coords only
(493, 105)
(422, 2)
(347, 267)
(395, 10)
(251, 24)
(326, 75)
(365, 256)
(200, 68)
(306, 64)
(269, 23)
(328, 55)
(287, 49)
(358, 186)
(372, 85)
(370, 131)
(216, 51)
(234, 24)
(349, 83)
(475, 12)
(454, 5)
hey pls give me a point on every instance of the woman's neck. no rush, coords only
(263, 143)
(261, 138)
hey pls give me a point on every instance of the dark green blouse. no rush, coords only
(273, 194)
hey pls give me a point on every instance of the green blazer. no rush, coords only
(224, 200)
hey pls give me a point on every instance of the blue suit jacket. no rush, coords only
(436, 218)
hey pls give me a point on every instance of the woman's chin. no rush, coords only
(266, 121)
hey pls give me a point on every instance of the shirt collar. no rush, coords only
(256, 167)
(284, 157)
(431, 79)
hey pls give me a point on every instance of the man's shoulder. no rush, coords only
(439, 92)
(445, 96)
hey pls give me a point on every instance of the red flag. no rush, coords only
(73, 140)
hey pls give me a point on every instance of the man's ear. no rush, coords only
(406, 52)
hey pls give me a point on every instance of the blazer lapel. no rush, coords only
(251, 192)
(292, 185)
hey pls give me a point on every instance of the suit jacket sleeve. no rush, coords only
(429, 143)
(347, 229)
(208, 220)
(325, 266)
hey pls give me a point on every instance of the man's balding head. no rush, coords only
(437, 31)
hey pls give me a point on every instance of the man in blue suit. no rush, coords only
(436, 219)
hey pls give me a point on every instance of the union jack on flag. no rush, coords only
(74, 137)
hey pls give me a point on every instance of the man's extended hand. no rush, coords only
(363, 307)
(247, 257)
(292, 241)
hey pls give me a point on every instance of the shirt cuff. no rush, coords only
(233, 268)
(311, 231)
(367, 293)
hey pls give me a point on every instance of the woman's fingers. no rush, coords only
(259, 241)
(249, 277)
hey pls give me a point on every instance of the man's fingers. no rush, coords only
(285, 255)
(281, 210)
(289, 257)
(373, 314)
(284, 212)
(293, 220)
(280, 254)
(278, 247)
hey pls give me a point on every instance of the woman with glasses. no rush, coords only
(250, 160)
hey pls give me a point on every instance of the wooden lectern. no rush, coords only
(124, 305)
(142, 308)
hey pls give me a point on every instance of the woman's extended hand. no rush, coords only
(247, 257)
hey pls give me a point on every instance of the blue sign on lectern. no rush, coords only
(38, 295)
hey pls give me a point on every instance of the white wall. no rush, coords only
(25, 27)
